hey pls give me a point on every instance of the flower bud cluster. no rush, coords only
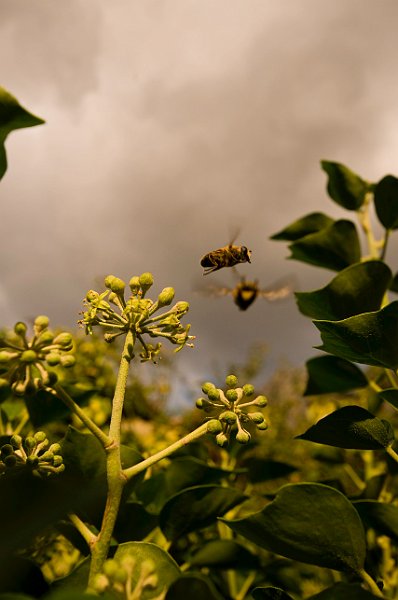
(33, 453)
(118, 315)
(231, 410)
(25, 363)
(127, 579)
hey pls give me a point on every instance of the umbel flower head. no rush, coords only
(231, 410)
(118, 315)
(33, 453)
(26, 364)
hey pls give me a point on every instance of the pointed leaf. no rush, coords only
(224, 554)
(194, 586)
(370, 338)
(270, 593)
(344, 591)
(311, 523)
(309, 224)
(331, 374)
(196, 508)
(334, 247)
(386, 201)
(12, 116)
(344, 186)
(264, 469)
(350, 427)
(357, 289)
(133, 523)
(380, 516)
(390, 395)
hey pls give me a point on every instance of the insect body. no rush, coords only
(228, 256)
(245, 292)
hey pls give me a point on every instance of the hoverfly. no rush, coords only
(245, 292)
(228, 256)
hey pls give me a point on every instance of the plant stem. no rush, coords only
(75, 408)
(392, 453)
(85, 532)
(115, 476)
(246, 585)
(148, 462)
(370, 583)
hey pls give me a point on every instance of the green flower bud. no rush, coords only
(58, 460)
(261, 401)
(228, 417)
(16, 441)
(166, 297)
(213, 394)
(20, 328)
(256, 417)
(40, 436)
(248, 389)
(110, 567)
(3, 383)
(243, 437)
(92, 296)
(117, 286)
(214, 426)
(6, 450)
(10, 460)
(100, 584)
(33, 461)
(63, 339)
(221, 439)
(30, 443)
(68, 361)
(29, 356)
(146, 281)
(120, 575)
(231, 395)
(41, 322)
(262, 426)
(231, 381)
(200, 403)
(134, 284)
(207, 386)
(181, 308)
(46, 338)
(53, 359)
(108, 281)
(47, 456)
(55, 448)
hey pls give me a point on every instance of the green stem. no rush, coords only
(384, 247)
(370, 583)
(364, 220)
(115, 476)
(148, 462)
(246, 585)
(75, 408)
(392, 453)
(89, 537)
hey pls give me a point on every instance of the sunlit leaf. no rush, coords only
(330, 374)
(357, 289)
(386, 201)
(311, 523)
(309, 224)
(370, 338)
(195, 508)
(344, 186)
(12, 116)
(335, 247)
(351, 427)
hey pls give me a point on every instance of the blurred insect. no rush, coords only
(245, 292)
(227, 256)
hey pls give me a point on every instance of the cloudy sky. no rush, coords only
(169, 126)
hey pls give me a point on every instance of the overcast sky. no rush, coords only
(169, 125)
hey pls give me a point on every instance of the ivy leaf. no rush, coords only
(311, 223)
(390, 395)
(12, 116)
(194, 586)
(386, 201)
(270, 593)
(224, 554)
(343, 591)
(351, 427)
(311, 523)
(331, 374)
(370, 338)
(264, 469)
(195, 508)
(380, 516)
(335, 247)
(357, 289)
(344, 186)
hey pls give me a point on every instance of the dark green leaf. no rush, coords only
(133, 523)
(344, 186)
(390, 395)
(309, 224)
(21, 576)
(12, 116)
(374, 487)
(165, 567)
(44, 407)
(344, 591)
(357, 289)
(193, 586)
(270, 593)
(224, 554)
(386, 201)
(330, 374)
(394, 284)
(370, 339)
(196, 508)
(350, 427)
(311, 523)
(263, 469)
(380, 516)
(334, 247)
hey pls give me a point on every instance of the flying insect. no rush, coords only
(245, 292)
(228, 256)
